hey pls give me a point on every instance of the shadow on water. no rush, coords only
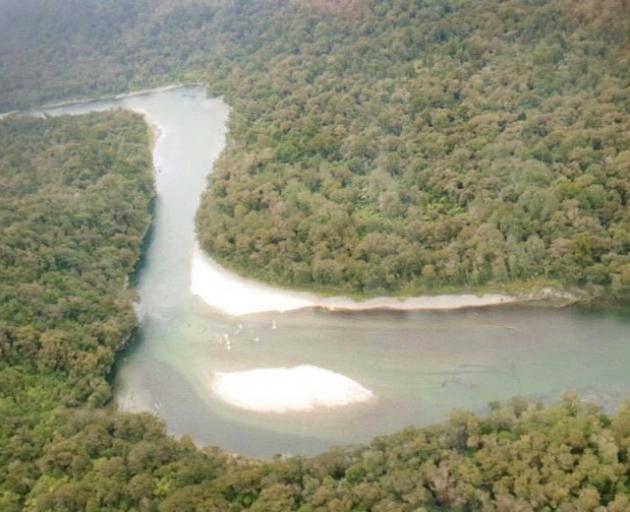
(147, 241)
(135, 338)
(122, 356)
(616, 311)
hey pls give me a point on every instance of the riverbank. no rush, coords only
(78, 101)
(236, 295)
(418, 367)
(242, 295)
(155, 129)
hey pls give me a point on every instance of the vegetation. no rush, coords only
(428, 145)
(74, 197)
(375, 147)
(378, 147)
(75, 193)
(520, 459)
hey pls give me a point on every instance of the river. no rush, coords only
(412, 367)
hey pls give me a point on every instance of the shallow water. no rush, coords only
(419, 365)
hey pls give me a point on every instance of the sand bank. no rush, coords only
(279, 390)
(235, 295)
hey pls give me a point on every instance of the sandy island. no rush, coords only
(236, 295)
(280, 390)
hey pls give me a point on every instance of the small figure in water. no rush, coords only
(256, 339)
(274, 325)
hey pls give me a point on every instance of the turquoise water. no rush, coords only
(419, 365)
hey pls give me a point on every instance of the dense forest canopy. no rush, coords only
(75, 194)
(377, 147)
(456, 145)
(74, 199)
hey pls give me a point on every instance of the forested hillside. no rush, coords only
(486, 141)
(418, 146)
(381, 146)
(75, 195)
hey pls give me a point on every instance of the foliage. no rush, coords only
(381, 146)
(74, 196)
(429, 145)
(377, 146)
(84, 183)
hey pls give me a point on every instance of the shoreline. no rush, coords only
(155, 129)
(235, 295)
(107, 97)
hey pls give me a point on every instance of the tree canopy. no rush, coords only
(75, 196)
(395, 147)
(388, 146)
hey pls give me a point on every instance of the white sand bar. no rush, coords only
(280, 390)
(235, 295)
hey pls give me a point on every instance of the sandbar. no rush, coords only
(302, 388)
(235, 295)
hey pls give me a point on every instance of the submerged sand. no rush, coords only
(235, 295)
(281, 390)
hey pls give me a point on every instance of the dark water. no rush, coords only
(419, 365)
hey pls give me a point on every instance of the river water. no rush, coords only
(418, 365)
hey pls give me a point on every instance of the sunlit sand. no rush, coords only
(280, 390)
(235, 295)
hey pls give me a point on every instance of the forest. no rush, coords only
(434, 146)
(76, 195)
(375, 147)
(378, 147)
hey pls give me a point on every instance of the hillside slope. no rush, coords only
(474, 132)
(378, 147)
